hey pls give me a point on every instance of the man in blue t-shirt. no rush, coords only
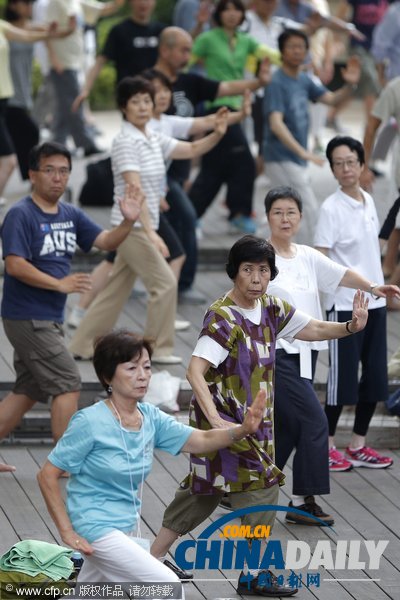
(286, 114)
(39, 236)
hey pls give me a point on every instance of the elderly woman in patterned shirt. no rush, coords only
(233, 359)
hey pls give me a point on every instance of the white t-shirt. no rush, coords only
(349, 229)
(299, 281)
(215, 354)
(386, 106)
(132, 150)
(6, 86)
(70, 50)
(172, 125)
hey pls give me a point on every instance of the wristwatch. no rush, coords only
(371, 290)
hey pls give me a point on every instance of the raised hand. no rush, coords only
(221, 120)
(131, 203)
(264, 72)
(255, 413)
(360, 312)
(246, 104)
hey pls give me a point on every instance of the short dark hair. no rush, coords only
(345, 140)
(44, 151)
(250, 248)
(282, 191)
(130, 86)
(222, 6)
(154, 74)
(114, 348)
(287, 34)
(10, 14)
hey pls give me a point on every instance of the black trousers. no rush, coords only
(24, 133)
(300, 425)
(230, 162)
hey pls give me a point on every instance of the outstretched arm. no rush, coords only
(316, 330)
(130, 206)
(185, 150)
(206, 441)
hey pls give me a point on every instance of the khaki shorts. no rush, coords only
(369, 84)
(44, 368)
(187, 510)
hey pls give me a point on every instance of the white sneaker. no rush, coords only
(181, 325)
(169, 359)
(76, 317)
(3, 201)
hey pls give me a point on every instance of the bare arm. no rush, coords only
(24, 271)
(133, 178)
(18, 34)
(351, 75)
(203, 124)
(130, 207)
(112, 7)
(367, 177)
(207, 441)
(49, 483)
(352, 279)
(197, 369)
(184, 150)
(316, 330)
(91, 77)
(280, 129)
(238, 87)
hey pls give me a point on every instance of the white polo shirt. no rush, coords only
(349, 229)
(132, 150)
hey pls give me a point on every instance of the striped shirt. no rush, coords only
(132, 150)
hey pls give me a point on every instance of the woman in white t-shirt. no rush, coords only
(300, 422)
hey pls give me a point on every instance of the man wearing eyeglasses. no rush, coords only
(39, 236)
(347, 232)
(286, 113)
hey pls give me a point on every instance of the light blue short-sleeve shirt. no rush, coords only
(107, 465)
(289, 96)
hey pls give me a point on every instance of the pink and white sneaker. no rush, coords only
(337, 461)
(368, 457)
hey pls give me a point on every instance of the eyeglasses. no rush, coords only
(51, 171)
(280, 214)
(351, 163)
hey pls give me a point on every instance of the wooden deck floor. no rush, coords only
(365, 505)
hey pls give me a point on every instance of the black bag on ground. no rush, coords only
(98, 190)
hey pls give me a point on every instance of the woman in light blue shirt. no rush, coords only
(108, 450)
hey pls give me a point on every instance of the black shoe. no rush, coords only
(90, 150)
(376, 172)
(183, 575)
(264, 584)
(311, 507)
(226, 503)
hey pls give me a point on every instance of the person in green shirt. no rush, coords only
(224, 52)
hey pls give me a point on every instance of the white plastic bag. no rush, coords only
(163, 391)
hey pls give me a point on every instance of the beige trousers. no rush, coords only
(136, 257)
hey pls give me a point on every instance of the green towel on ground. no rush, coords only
(34, 557)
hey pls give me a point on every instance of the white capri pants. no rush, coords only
(118, 558)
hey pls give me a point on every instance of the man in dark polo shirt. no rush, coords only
(39, 236)
(189, 90)
(131, 45)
